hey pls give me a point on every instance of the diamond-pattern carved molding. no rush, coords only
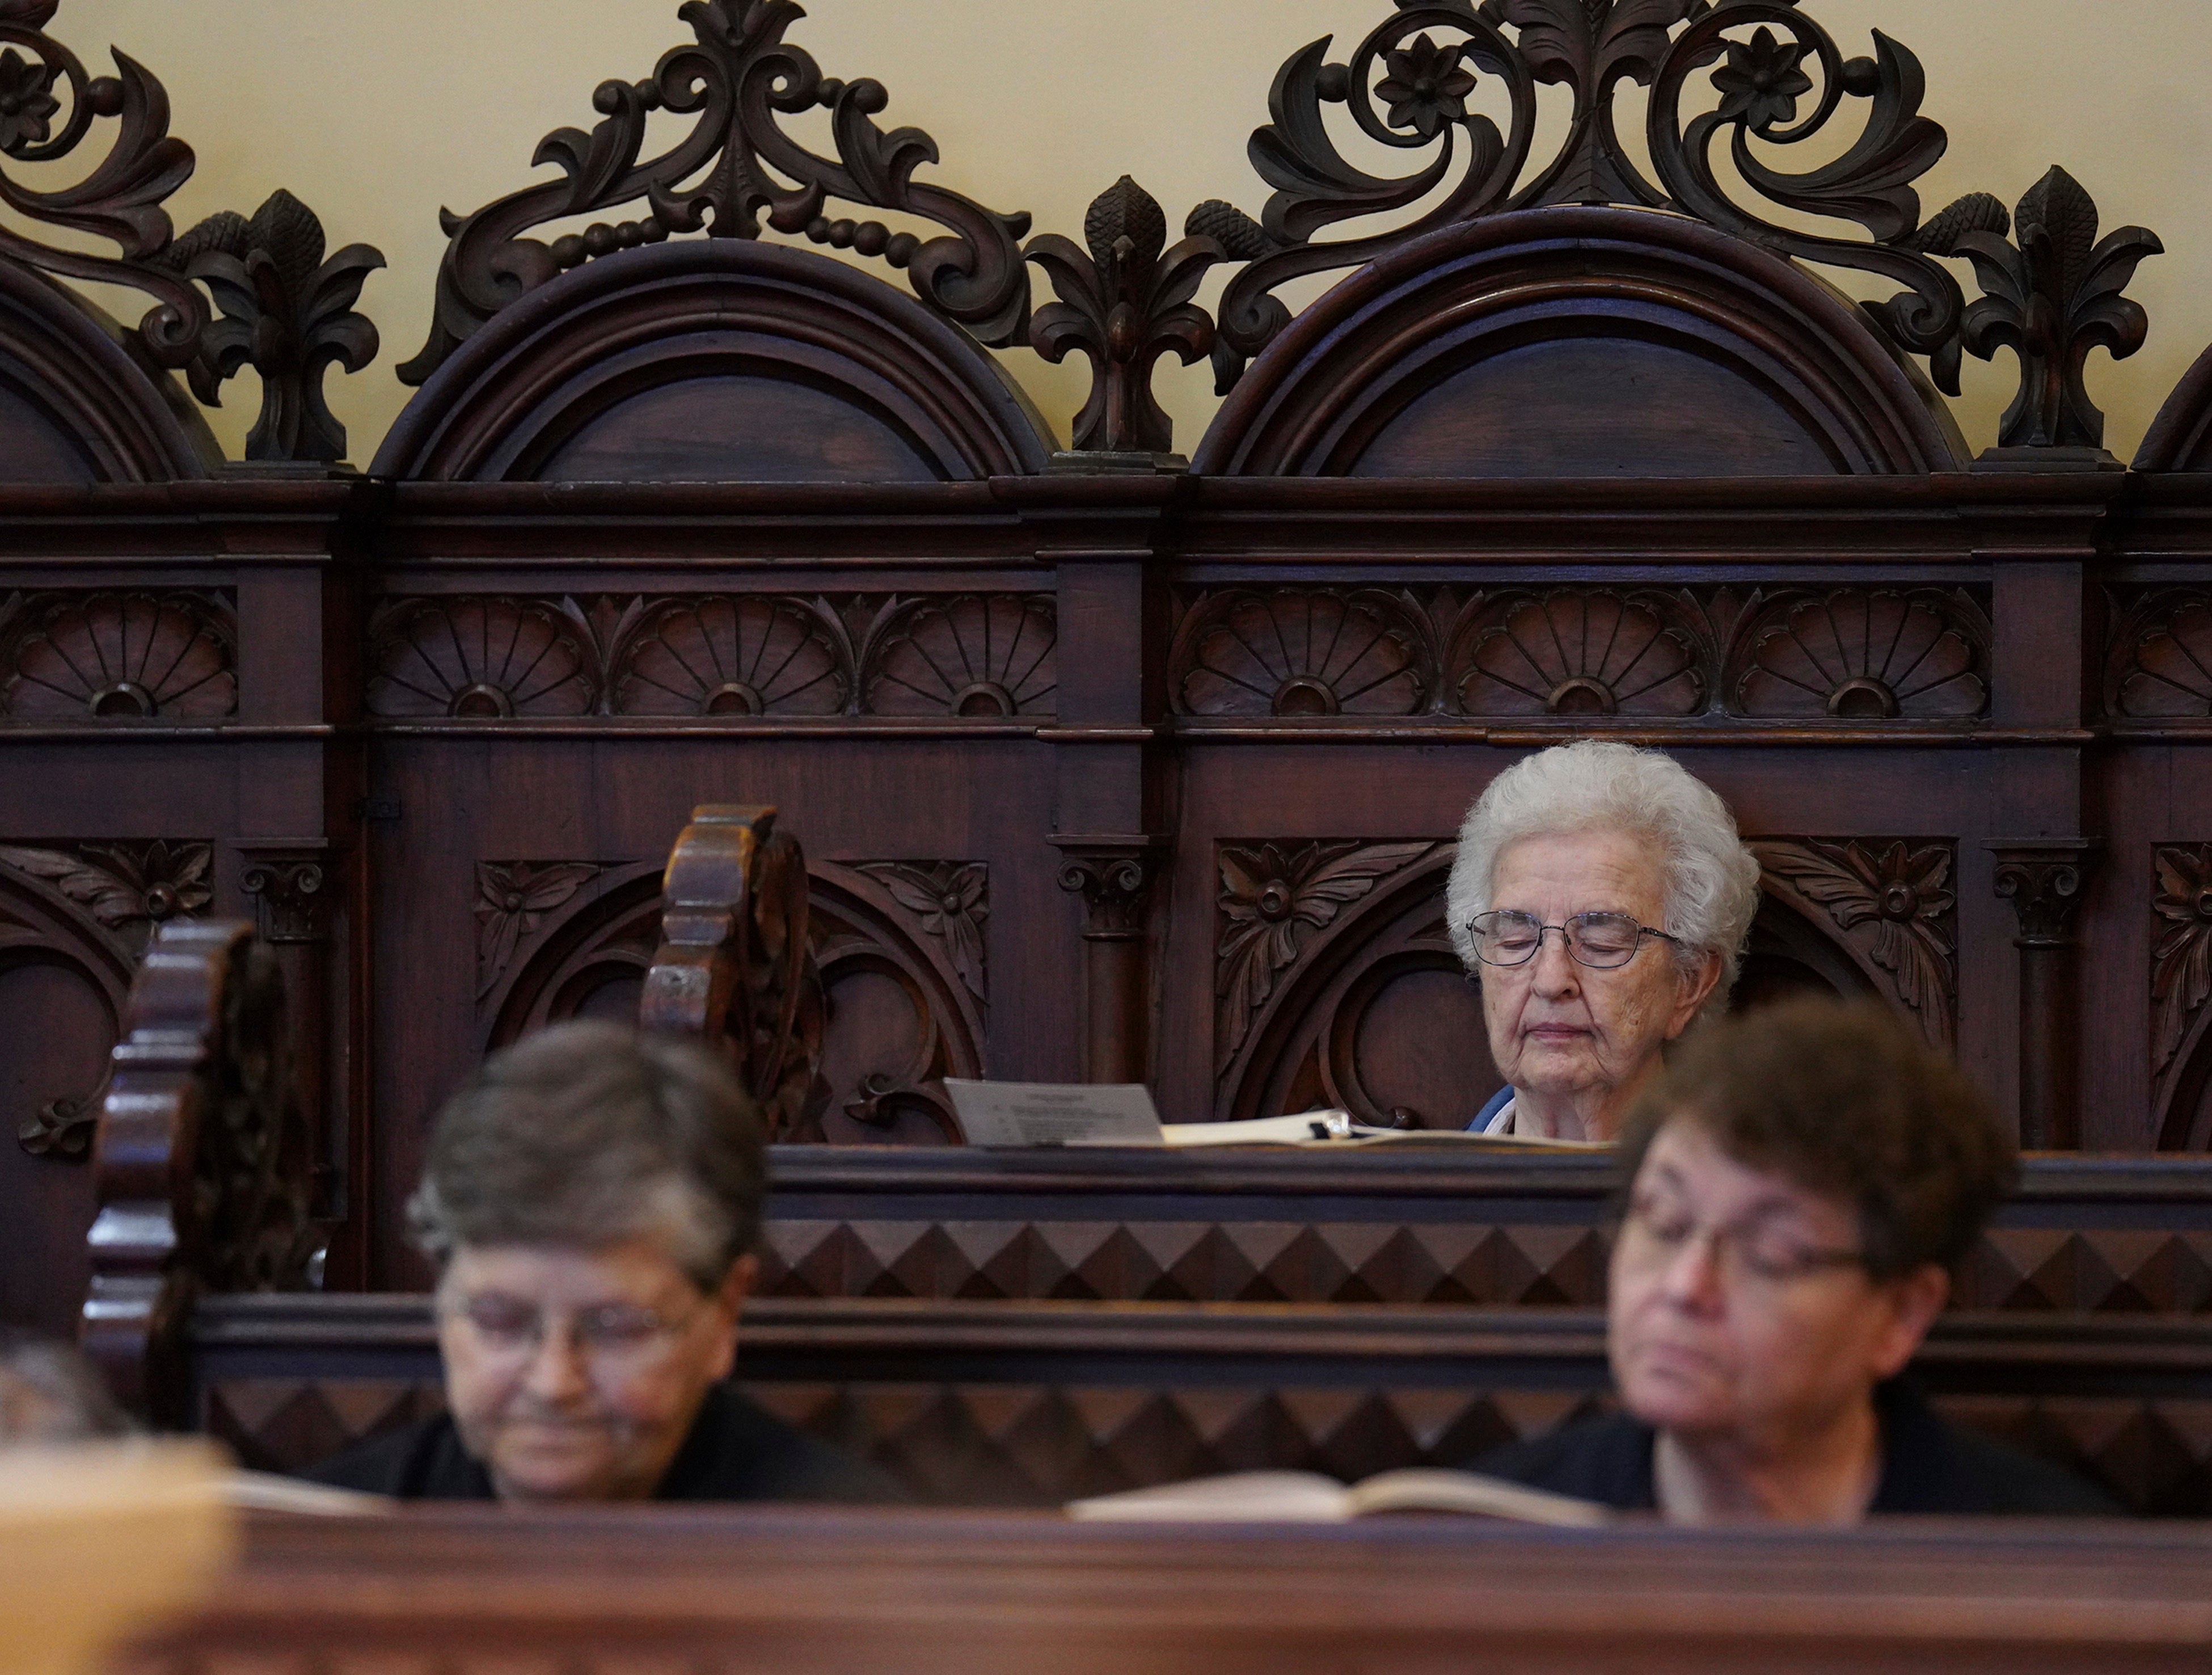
(2108, 1271)
(1029, 1444)
(1187, 1261)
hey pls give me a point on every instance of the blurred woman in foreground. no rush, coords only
(1799, 1186)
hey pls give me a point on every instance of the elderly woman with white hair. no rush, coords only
(1603, 897)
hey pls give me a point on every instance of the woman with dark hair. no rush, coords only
(593, 1200)
(1800, 1185)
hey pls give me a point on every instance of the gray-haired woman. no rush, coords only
(592, 1201)
(1602, 897)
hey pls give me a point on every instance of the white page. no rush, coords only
(1049, 1114)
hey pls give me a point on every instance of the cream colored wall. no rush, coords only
(378, 112)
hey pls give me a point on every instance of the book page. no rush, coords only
(1240, 1497)
(1428, 1491)
(1049, 1114)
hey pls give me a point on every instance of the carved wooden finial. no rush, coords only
(200, 1165)
(285, 311)
(735, 969)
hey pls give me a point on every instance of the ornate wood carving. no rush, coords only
(987, 657)
(2051, 297)
(983, 656)
(1584, 650)
(59, 908)
(1892, 900)
(734, 968)
(2180, 983)
(1415, 83)
(1587, 652)
(512, 899)
(292, 892)
(733, 656)
(2044, 879)
(737, 167)
(1114, 874)
(479, 659)
(900, 948)
(951, 902)
(1124, 303)
(1274, 898)
(2160, 664)
(201, 1160)
(142, 656)
(131, 888)
(1863, 654)
(285, 311)
(1304, 652)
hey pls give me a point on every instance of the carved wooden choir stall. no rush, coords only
(1105, 764)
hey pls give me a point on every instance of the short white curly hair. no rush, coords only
(1710, 881)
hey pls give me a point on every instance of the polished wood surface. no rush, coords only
(775, 1589)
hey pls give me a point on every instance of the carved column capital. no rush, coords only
(2044, 879)
(1115, 876)
(292, 890)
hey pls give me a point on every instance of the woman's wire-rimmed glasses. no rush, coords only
(1600, 941)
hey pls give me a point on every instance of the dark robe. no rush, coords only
(1927, 1465)
(735, 1451)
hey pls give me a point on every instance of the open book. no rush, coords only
(1307, 1497)
(1324, 1128)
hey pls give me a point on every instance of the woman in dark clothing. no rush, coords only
(1799, 1184)
(593, 1200)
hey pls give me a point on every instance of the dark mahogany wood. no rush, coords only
(1572, 342)
(776, 1589)
(721, 361)
(201, 1158)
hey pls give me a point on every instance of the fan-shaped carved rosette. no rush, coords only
(1581, 651)
(479, 659)
(981, 657)
(1865, 654)
(743, 656)
(1304, 652)
(120, 656)
(2162, 659)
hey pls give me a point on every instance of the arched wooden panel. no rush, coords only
(898, 945)
(1337, 984)
(1574, 342)
(75, 409)
(720, 360)
(2180, 438)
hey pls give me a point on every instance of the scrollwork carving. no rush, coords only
(1304, 652)
(2051, 297)
(1273, 898)
(1124, 303)
(1893, 903)
(737, 167)
(130, 888)
(1416, 82)
(1861, 655)
(286, 312)
(119, 657)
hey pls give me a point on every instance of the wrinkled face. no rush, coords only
(574, 1375)
(1738, 1311)
(1558, 1027)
